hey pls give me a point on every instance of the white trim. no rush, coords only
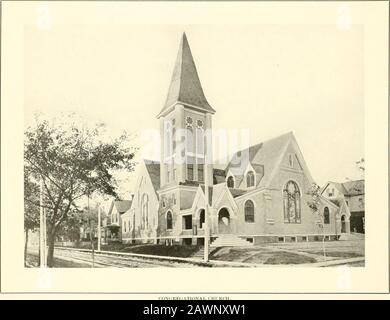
(229, 195)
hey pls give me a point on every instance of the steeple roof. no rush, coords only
(185, 85)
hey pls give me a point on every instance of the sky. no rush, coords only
(262, 80)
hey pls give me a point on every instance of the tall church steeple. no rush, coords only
(185, 87)
(184, 120)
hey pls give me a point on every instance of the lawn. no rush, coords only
(259, 256)
(288, 258)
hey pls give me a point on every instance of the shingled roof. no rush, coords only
(354, 188)
(263, 157)
(153, 168)
(185, 85)
(349, 188)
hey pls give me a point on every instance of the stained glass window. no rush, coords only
(292, 203)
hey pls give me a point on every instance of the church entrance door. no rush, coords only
(224, 223)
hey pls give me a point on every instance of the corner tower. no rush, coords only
(184, 121)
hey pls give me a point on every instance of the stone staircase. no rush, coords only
(230, 240)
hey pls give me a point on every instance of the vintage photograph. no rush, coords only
(193, 145)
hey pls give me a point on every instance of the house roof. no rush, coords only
(263, 157)
(185, 85)
(153, 168)
(354, 188)
(349, 188)
(237, 192)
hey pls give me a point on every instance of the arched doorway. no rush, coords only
(202, 218)
(224, 223)
(343, 224)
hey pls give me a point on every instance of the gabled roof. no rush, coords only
(153, 168)
(354, 188)
(185, 85)
(263, 157)
(349, 188)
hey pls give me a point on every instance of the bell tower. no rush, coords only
(185, 121)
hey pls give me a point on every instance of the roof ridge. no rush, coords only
(265, 141)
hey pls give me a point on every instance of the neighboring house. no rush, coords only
(260, 196)
(352, 194)
(113, 222)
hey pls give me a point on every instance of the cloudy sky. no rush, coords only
(263, 79)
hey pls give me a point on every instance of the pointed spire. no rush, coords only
(185, 85)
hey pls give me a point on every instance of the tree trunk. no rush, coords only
(25, 247)
(50, 253)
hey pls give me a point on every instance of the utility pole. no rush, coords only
(99, 229)
(42, 229)
(206, 213)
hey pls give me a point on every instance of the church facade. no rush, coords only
(261, 195)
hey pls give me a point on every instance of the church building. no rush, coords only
(261, 195)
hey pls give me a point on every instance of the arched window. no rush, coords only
(169, 220)
(145, 211)
(249, 211)
(202, 218)
(326, 215)
(292, 203)
(250, 179)
(199, 141)
(230, 182)
(190, 139)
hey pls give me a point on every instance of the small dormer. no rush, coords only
(250, 177)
